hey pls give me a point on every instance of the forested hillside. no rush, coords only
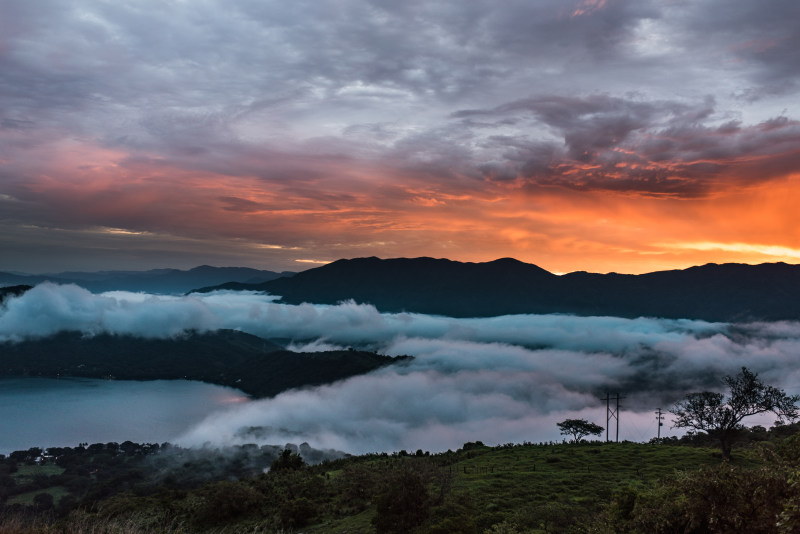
(712, 292)
(251, 364)
(660, 487)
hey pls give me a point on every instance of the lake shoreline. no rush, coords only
(42, 411)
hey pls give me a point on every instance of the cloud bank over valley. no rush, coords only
(497, 379)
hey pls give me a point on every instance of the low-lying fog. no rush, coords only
(501, 379)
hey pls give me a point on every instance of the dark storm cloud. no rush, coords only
(657, 147)
(183, 77)
(764, 34)
(179, 80)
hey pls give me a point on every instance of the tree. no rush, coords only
(288, 460)
(721, 417)
(579, 428)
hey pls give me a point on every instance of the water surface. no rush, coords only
(43, 412)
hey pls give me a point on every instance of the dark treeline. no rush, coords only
(13, 291)
(88, 474)
(231, 358)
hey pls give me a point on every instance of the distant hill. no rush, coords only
(712, 292)
(165, 281)
(229, 358)
(12, 291)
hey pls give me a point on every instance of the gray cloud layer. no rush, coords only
(642, 96)
(495, 379)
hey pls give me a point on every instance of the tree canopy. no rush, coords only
(288, 460)
(721, 417)
(579, 428)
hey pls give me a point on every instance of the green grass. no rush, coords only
(355, 524)
(533, 486)
(504, 482)
(579, 473)
(27, 498)
(26, 473)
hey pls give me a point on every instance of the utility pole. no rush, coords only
(659, 418)
(612, 413)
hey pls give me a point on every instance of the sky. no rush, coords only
(598, 135)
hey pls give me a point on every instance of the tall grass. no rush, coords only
(83, 523)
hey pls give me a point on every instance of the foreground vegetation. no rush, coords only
(673, 486)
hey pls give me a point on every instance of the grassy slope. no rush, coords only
(509, 482)
(537, 487)
(27, 498)
(27, 473)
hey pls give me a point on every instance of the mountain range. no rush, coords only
(164, 281)
(713, 292)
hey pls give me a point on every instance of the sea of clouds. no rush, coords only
(498, 379)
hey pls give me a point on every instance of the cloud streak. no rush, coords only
(494, 379)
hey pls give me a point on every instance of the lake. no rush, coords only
(44, 412)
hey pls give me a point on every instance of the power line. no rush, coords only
(659, 419)
(612, 413)
(641, 435)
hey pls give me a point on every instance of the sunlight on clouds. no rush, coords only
(652, 39)
(366, 90)
(428, 201)
(773, 252)
(121, 231)
(319, 262)
(587, 7)
(274, 247)
(606, 140)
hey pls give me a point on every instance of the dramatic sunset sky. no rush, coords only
(599, 135)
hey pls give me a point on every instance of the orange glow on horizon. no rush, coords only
(346, 212)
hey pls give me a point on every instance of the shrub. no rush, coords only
(404, 505)
(297, 513)
(227, 500)
(43, 501)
